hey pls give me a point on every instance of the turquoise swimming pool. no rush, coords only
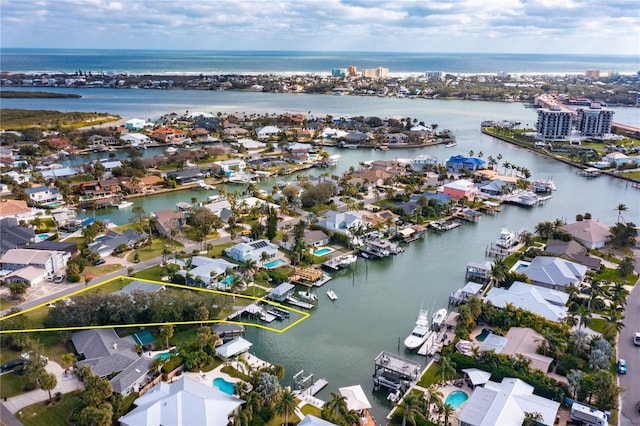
(224, 386)
(322, 251)
(456, 399)
(274, 263)
(227, 281)
(483, 335)
(162, 356)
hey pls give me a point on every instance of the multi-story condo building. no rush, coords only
(592, 73)
(554, 123)
(375, 72)
(338, 72)
(594, 121)
(353, 71)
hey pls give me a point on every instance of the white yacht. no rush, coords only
(124, 204)
(332, 295)
(507, 239)
(438, 319)
(420, 332)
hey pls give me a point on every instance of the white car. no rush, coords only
(26, 356)
(636, 339)
(58, 279)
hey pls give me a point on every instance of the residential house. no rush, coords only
(423, 162)
(312, 238)
(112, 240)
(137, 124)
(189, 175)
(460, 163)
(571, 250)
(342, 222)
(251, 145)
(235, 131)
(373, 177)
(589, 233)
(384, 218)
(43, 195)
(229, 167)
(616, 158)
(6, 155)
(68, 247)
(233, 348)
(59, 143)
(13, 236)
(255, 250)
(31, 275)
(555, 273)
(204, 270)
(50, 261)
(506, 403)
(98, 189)
(167, 134)
(357, 136)
(55, 171)
(18, 178)
(95, 140)
(461, 188)
(542, 301)
(140, 286)
(207, 123)
(182, 402)
(396, 138)
(492, 188)
(228, 331)
(169, 221)
(135, 139)
(311, 420)
(133, 378)
(268, 132)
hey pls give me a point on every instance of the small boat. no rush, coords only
(307, 296)
(332, 295)
(170, 151)
(124, 204)
(420, 332)
(507, 239)
(451, 144)
(438, 318)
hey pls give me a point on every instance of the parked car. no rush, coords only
(26, 356)
(99, 262)
(59, 278)
(622, 366)
(636, 339)
(8, 366)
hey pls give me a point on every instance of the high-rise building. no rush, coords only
(353, 71)
(554, 123)
(375, 72)
(433, 74)
(592, 73)
(338, 72)
(595, 120)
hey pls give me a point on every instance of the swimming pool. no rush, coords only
(483, 335)
(274, 263)
(456, 399)
(162, 356)
(43, 237)
(224, 386)
(322, 251)
(227, 281)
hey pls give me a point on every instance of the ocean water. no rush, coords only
(159, 62)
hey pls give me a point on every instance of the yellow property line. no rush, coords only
(304, 315)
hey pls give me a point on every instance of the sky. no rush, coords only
(497, 26)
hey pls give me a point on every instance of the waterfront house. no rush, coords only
(460, 163)
(458, 189)
(267, 132)
(252, 146)
(13, 236)
(43, 195)
(103, 350)
(589, 233)
(97, 189)
(382, 218)
(169, 221)
(189, 175)
(542, 301)
(571, 250)
(205, 270)
(96, 140)
(342, 222)
(233, 348)
(396, 138)
(616, 158)
(312, 238)
(255, 250)
(182, 402)
(506, 403)
(137, 124)
(423, 162)
(167, 134)
(55, 171)
(492, 187)
(229, 167)
(555, 273)
(135, 139)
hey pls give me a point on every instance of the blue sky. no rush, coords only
(504, 26)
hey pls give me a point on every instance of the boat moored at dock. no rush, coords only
(420, 331)
(438, 319)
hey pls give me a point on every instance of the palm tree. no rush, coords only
(580, 341)
(433, 397)
(335, 407)
(247, 269)
(532, 419)
(48, 382)
(584, 316)
(621, 208)
(499, 271)
(285, 405)
(167, 333)
(447, 367)
(447, 410)
(475, 306)
(411, 408)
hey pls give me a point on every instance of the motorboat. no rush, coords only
(171, 150)
(507, 239)
(543, 185)
(438, 318)
(124, 204)
(307, 296)
(332, 295)
(451, 144)
(420, 331)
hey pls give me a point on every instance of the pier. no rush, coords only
(490, 207)
(395, 373)
(443, 225)
(340, 262)
(306, 385)
(590, 172)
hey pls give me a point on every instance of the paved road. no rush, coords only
(629, 414)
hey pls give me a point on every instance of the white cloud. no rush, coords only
(401, 25)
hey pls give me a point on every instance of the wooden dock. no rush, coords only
(299, 303)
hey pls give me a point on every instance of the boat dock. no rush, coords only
(431, 340)
(395, 373)
(339, 262)
(259, 312)
(433, 343)
(443, 225)
(299, 303)
(490, 207)
(306, 385)
(590, 172)
(310, 277)
(522, 198)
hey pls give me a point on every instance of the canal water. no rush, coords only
(377, 300)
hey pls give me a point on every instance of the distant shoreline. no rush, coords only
(15, 94)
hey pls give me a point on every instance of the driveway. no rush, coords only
(629, 414)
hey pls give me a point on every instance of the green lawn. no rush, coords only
(431, 376)
(154, 273)
(39, 415)
(12, 384)
(100, 270)
(110, 287)
(612, 275)
(5, 304)
(597, 324)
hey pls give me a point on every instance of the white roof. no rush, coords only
(505, 404)
(539, 300)
(477, 376)
(356, 398)
(183, 402)
(233, 348)
(461, 184)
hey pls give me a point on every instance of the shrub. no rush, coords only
(172, 363)
(29, 386)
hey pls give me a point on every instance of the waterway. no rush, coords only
(378, 302)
